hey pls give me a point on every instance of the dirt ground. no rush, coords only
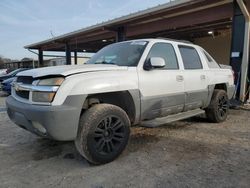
(190, 153)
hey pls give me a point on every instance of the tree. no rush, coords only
(3, 60)
(26, 59)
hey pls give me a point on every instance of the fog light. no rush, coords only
(39, 127)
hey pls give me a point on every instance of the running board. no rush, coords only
(171, 118)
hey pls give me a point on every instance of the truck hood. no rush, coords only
(67, 70)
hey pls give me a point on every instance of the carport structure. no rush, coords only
(220, 26)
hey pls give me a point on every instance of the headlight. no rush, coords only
(51, 81)
(38, 96)
(45, 92)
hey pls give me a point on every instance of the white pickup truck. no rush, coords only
(145, 82)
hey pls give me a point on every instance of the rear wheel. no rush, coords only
(103, 133)
(217, 110)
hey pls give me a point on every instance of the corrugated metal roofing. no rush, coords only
(119, 20)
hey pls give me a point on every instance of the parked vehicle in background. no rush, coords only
(12, 74)
(10, 70)
(148, 82)
(6, 85)
(3, 72)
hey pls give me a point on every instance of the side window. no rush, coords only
(190, 57)
(165, 51)
(210, 62)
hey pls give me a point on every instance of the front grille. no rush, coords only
(25, 79)
(23, 94)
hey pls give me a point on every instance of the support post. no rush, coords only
(75, 57)
(68, 54)
(245, 57)
(40, 57)
(120, 34)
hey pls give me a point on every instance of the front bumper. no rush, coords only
(60, 122)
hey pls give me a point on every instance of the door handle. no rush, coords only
(179, 78)
(203, 77)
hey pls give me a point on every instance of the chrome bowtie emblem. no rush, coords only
(16, 86)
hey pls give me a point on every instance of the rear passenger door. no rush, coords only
(195, 78)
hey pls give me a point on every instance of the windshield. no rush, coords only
(121, 54)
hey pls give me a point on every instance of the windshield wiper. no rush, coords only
(105, 62)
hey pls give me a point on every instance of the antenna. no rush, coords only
(51, 32)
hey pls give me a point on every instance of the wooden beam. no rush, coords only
(195, 18)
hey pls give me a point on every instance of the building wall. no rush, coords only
(248, 5)
(62, 61)
(56, 62)
(219, 47)
(80, 60)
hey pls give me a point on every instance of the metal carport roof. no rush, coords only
(177, 19)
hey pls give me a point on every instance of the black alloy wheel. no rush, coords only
(222, 106)
(109, 135)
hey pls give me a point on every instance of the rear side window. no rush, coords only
(190, 57)
(165, 51)
(210, 62)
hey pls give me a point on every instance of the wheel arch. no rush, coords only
(211, 88)
(222, 86)
(129, 101)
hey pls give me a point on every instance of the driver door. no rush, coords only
(162, 89)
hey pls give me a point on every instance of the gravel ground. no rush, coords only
(190, 153)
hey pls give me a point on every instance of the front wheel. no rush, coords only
(217, 110)
(103, 133)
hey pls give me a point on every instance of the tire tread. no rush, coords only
(85, 127)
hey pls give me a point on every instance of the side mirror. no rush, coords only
(157, 62)
(154, 62)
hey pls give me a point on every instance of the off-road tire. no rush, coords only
(103, 133)
(217, 110)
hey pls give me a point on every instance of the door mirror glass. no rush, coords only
(157, 62)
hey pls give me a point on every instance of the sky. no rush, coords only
(24, 22)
